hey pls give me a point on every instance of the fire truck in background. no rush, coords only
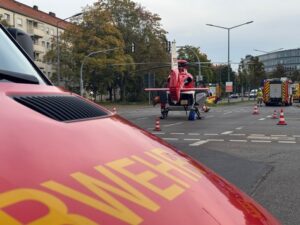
(278, 91)
(296, 92)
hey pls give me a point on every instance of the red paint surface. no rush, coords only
(35, 149)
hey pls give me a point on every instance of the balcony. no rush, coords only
(39, 48)
(36, 32)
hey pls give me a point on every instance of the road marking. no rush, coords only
(227, 132)
(173, 124)
(170, 139)
(269, 116)
(156, 133)
(262, 119)
(177, 133)
(296, 136)
(215, 140)
(239, 128)
(193, 134)
(211, 134)
(257, 135)
(199, 143)
(238, 140)
(279, 135)
(237, 134)
(287, 142)
(191, 139)
(227, 112)
(260, 141)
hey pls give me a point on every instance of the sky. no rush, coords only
(275, 23)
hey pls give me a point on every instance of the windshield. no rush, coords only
(11, 59)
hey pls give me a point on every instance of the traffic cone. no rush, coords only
(281, 119)
(157, 125)
(255, 111)
(274, 115)
(115, 110)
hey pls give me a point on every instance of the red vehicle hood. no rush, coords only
(104, 171)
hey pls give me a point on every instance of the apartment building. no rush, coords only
(43, 28)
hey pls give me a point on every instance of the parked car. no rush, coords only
(253, 93)
(234, 95)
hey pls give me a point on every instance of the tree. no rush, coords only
(189, 53)
(278, 72)
(251, 72)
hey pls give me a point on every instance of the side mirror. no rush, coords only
(23, 39)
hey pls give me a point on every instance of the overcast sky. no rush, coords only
(276, 23)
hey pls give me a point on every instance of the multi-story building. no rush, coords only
(289, 59)
(43, 28)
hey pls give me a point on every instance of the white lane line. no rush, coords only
(143, 118)
(287, 142)
(158, 133)
(257, 135)
(239, 128)
(262, 119)
(260, 141)
(296, 136)
(238, 141)
(199, 143)
(170, 139)
(191, 139)
(278, 135)
(215, 140)
(193, 134)
(227, 112)
(177, 133)
(227, 132)
(173, 124)
(269, 116)
(237, 134)
(211, 134)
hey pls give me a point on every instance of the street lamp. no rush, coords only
(81, 67)
(228, 29)
(266, 52)
(57, 44)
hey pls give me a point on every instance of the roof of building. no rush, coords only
(34, 13)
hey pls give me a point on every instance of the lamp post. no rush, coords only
(84, 59)
(266, 52)
(228, 30)
(57, 44)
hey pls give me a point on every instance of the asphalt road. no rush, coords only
(251, 151)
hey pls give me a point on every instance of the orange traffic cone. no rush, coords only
(281, 119)
(114, 110)
(255, 111)
(274, 115)
(157, 125)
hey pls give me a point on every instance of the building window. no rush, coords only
(47, 30)
(48, 45)
(6, 17)
(19, 22)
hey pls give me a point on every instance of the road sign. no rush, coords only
(229, 87)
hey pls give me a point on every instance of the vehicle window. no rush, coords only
(11, 59)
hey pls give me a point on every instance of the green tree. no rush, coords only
(251, 72)
(191, 53)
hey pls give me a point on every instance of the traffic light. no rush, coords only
(168, 46)
(132, 47)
